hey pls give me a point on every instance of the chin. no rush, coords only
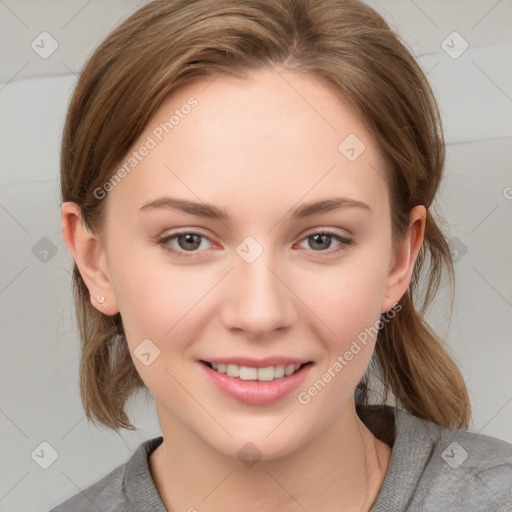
(255, 446)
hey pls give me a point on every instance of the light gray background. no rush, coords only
(40, 349)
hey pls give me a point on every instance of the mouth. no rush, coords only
(256, 382)
(257, 373)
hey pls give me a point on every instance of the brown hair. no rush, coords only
(168, 43)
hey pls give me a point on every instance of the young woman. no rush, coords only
(248, 193)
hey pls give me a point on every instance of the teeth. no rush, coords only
(289, 369)
(279, 371)
(247, 373)
(266, 373)
(233, 370)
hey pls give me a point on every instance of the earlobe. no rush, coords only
(404, 259)
(90, 257)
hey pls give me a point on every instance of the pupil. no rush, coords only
(190, 238)
(315, 237)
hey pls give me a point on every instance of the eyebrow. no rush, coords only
(209, 211)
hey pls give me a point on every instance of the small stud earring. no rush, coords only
(101, 299)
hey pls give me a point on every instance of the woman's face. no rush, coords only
(261, 282)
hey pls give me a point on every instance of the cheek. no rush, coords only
(346, 298)
(151, 294)
(156, 306)
(349, 310)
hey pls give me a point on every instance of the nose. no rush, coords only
(259, 300)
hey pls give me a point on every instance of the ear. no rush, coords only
(404, 257)
(90, 257)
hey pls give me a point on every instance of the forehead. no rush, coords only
(277, 136)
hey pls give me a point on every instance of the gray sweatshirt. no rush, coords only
(432, 469)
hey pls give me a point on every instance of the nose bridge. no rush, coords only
(259, 302)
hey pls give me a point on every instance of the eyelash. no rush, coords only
(164, 242)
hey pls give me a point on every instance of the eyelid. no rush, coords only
(164, 241)
(184, 231)
(326, 231)
(344, 241)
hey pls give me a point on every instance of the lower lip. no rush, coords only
(256, 392)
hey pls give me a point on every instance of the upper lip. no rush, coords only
(257, 363)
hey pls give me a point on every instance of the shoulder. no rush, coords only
(105, 495)
(433, 468)
(120, 490)
(463, 470)
(472, 471)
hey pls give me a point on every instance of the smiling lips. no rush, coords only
(247, 373)
(255, 382)
(263, 370)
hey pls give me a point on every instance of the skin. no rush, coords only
(257, 148)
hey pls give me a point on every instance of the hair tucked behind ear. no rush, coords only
(411, 360)
(168, 43)
(107, 374)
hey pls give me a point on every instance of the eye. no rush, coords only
(187, 242)
(320, 241)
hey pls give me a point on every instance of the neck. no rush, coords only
(342, 468)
